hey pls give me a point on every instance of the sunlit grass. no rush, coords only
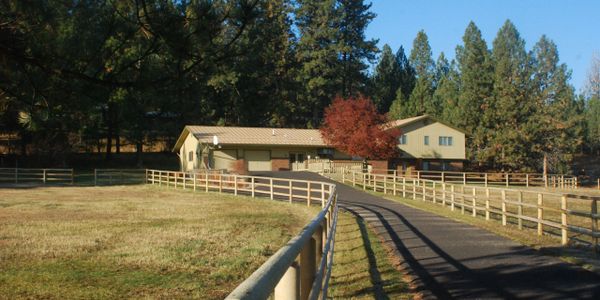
(135, 241)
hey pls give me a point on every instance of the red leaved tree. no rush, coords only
(355, 127)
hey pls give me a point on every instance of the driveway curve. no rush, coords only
(453, 260)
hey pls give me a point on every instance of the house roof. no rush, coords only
(253, 136)
(405, 122)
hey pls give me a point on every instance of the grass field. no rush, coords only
(135, 241)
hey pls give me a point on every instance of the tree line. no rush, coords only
(87, 74)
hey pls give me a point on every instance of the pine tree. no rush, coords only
(511, 135)
(556, 119)
(353, 17)
(446, 95)
(386, 79)
(420, 59)
(317, 54)
(407, 73)
(472, 109)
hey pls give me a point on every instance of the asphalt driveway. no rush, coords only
(449, 259)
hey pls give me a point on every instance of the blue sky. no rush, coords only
(573, 25)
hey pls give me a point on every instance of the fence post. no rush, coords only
(503, 207)
(452, 197)
(443, 193)
(307, 267)
(364, 183)
(353, 178)
(595, 224)
(414, 185)
(563, 220)
(289, 285)
(487, 204)
(486, 179)
(403, 187)
(44, 175)
(520, 210)
(462, 199)
(418, 174)
(443, 177)
(290, 191)
(271, 188)
(184, 180)
(474, 208)
(253, 188)
(507, 180)
(374, 183)
(527, 180)
(194, 184)
(206, 182)
(235, 184)
(540, 213)
(424, 190)
(433, 192)
(395, 184)
(464, 178)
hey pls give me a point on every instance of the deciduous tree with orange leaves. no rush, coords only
(354, 126)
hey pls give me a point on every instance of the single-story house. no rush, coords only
(243, 149)
(425, 144)
(428, 144)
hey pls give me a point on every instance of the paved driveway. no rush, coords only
(449, 259)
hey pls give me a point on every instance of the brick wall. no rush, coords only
(280, 164)
(379, 166)
(239, 167)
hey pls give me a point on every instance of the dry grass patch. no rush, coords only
(362, 267)
(136, 241)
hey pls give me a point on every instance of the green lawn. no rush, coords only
(135, 241)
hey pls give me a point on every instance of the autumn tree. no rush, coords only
(354, 126)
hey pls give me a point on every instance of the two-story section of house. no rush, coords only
(428, 144)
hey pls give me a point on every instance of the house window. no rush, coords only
(445, 141)
(426, 140)
(191, 156)
(445, 166)
(425, 166)
(402, 139)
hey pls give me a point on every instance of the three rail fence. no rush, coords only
(299, 270)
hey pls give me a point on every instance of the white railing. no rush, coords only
(299, 270)
(44, 176)
(572, 217)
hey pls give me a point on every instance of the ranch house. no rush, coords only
(425, 144)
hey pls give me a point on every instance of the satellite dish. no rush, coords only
(215, 140)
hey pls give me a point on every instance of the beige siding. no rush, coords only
(224, 159)
(258, 160)
(416, 148)
(189, 145)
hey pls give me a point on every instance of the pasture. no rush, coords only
(136, 241)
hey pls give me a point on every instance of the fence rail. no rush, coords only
(573, 218)
(43, 176)
(299, 270)
(119, 176)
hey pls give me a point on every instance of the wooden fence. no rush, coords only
(119, 176)
(299, 270)
(37, 176)
(573, 218)
(480, 178)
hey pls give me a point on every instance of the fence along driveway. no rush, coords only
(449, 259)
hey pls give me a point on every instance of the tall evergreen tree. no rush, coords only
(420, 59)
(557, 120)
(511, 135)
(317, 55)
(386, 79)
(476, 85)
(446, 94)
(353, 17)
(407, 73)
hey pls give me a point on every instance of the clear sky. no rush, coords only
(573, 25)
